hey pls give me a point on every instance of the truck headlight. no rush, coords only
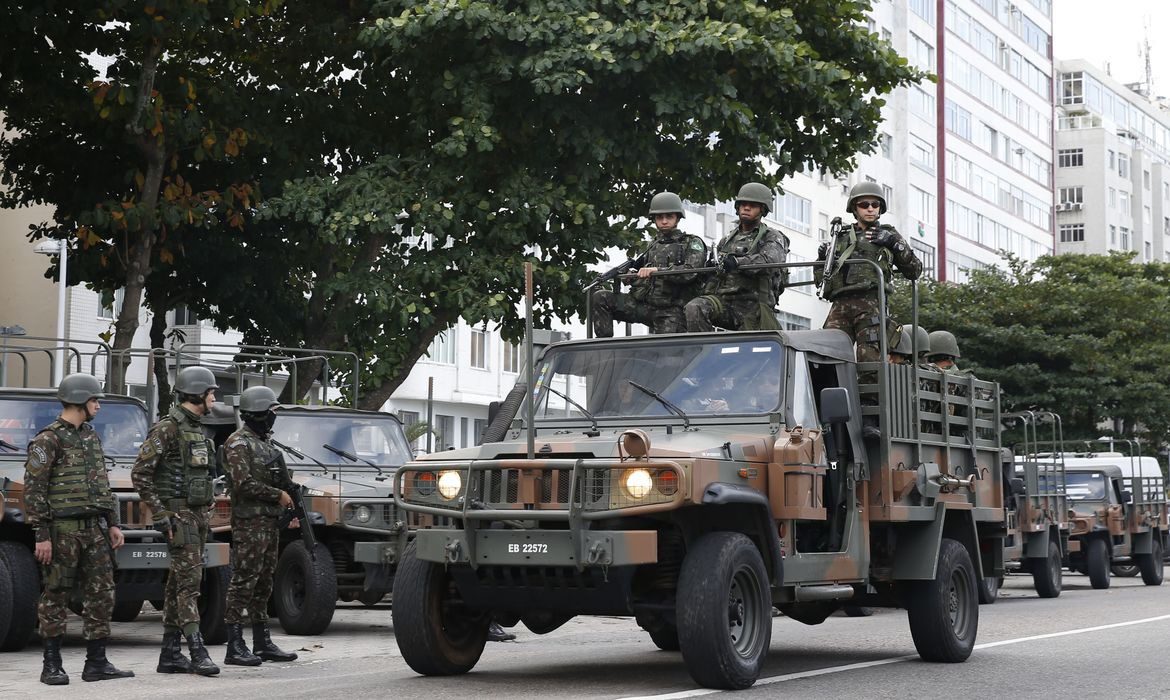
(449, 484)
(424, 483)
(638, 482)
(363, 514)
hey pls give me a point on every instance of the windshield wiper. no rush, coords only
(594, 431)
(350, 456)
(8, 445)
(665, 402)
(297, 453)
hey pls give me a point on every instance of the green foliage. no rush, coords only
(1087, 337)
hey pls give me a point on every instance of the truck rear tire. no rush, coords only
(944, 613)
(1151, 564)
(213, 604)
(724, 611)
(305, 590)
(1047, 575)
(988, 590)
(1125, 570)
(1097, 563)
(26, 589)
(5, 599)
(435, 633)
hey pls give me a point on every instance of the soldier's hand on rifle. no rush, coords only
(43, 552)
(294, 523)
(644, 272)
(881, 237)
(823, 251)
(286, 500)
(162, 522)
(730, 263)
(117, 539)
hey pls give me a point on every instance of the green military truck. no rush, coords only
(344, 459)
(693, 482)
(141, 563)
(1118, 516)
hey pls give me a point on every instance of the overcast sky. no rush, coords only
(1112, 32)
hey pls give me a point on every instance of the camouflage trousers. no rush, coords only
(709, 311)
(860, 318)
(609, 307)
(255, 544)
(181, 599)
(81, 561)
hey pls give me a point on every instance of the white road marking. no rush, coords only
(698, 692)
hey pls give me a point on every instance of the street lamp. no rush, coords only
(58, 247)
(6, 332)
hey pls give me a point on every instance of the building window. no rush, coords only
(1072, 195)
(921, 52)
(1072, 90)
(795, 212)
(924, 9)
(1112, 197)
(1146, 179)
(1070, 157)
(887, 146)
(922, 104)
(1124, 238)
(922, 154)
(1123, 165)
(442, 350)
(1123, 200)
(1166, 225)
(1112, 159)
(888, 194)
(921, 205)
(479, 349)
(925, 253)
(1072, 233)
(1112, 236)
(444, 430)
(792, 322)
(110, 304)
(478, 427)
(1149, 252)
(511, 358)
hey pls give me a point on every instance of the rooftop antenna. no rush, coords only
(1145, 53)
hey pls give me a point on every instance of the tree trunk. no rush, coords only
(162, 380)
(373, 399)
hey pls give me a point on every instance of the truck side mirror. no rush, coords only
(1017, 486)
(1126, 496)
(835, 405)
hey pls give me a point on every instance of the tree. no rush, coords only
(514, 130)
(1085, 336)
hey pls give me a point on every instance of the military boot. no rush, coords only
(97, 667)
(201, 662)
(263, 647)
(237, 650)
(171, 660)
(52, 673)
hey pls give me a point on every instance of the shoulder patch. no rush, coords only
(37, 451)
(697, 244)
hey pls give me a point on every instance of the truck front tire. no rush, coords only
(1097, 563)
(1047, 574)
(1151, 564)
(26, 590)
(305, 590)
(944, 612)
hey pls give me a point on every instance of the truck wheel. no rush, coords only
(857, 611)
(371, 598)
(988, 590)
(26, 589)
(306, 589)
(1097, 563)
(127, 610)
(1125, 570)
(724, 609)
(665, 637)
(213, 604)
(436, 634)
(5, 599)
(1047, 575)
(944, 613)
(1151, 564)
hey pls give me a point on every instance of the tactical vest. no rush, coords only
(186, 470)
(266, 467)
(666, 254)
(768, 287)
(856, 279)
(78, 485)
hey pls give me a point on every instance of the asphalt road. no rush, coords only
(1085, 643)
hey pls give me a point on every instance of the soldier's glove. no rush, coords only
(823, 251)
(163, 521)
(883, 237)
(730, 263)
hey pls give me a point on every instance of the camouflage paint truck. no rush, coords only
(344, 460)
(1118, 516)
(141, 563)
(693, 482)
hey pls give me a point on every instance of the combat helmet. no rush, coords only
(904, 346)
(667, 203)
(922, 337)
(257, 399)
(195, 381)
(79, 388)
(944, 343)
(756, 193)
(866, 189)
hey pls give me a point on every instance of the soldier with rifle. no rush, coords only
(654, 301)
(260, 487)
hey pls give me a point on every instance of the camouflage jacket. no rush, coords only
(169, 457)
(759, 245)
(256, 473)
(860, 279)
(671, 250)
(48, 454)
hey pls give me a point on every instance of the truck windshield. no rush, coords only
(121, 426)
(1086, 487)
(377, 439)
(701, 378)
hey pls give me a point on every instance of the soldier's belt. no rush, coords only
(75, 524)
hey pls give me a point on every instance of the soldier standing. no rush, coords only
(173, 475)
(738, 299)
(853, 288)
(258, 481)
(656, 301)
(67, 496)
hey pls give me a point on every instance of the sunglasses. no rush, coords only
(868, 205)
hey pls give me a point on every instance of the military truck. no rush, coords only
(141, 563)
(344, 460)
(1118, 516)
(695, 481)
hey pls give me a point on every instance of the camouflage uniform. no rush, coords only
(654, 301)
(67, 490)
(853, 289)
(257, 476)
(743, 299)
(172, 476)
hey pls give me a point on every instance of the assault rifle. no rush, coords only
(631, 264)
(832, 263)
(298, 511)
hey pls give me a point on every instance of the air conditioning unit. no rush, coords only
(1064, 206)
(1076, 206)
